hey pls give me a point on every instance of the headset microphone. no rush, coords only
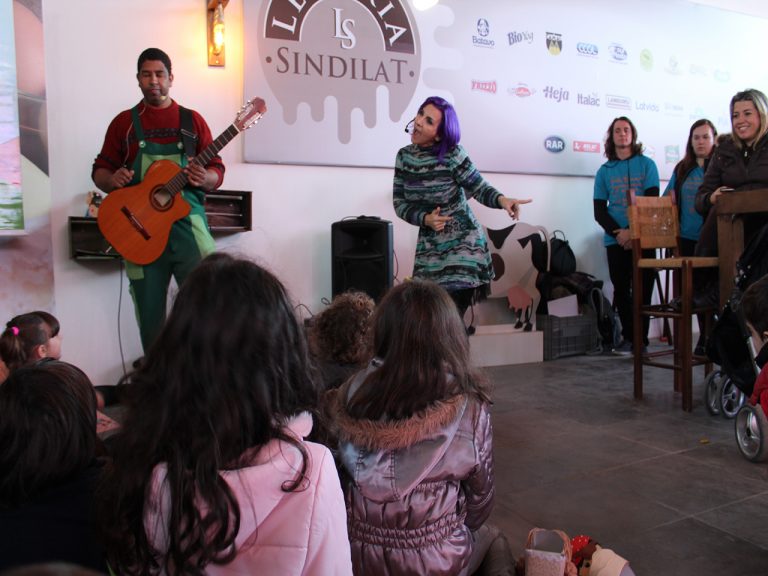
(409, 127)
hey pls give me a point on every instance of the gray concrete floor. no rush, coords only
(666, 489)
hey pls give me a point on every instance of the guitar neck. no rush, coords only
(177, 183)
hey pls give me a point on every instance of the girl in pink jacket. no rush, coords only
(211, 473)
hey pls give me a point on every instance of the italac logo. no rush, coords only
(554, 43)
(556, 94)
(586, 49)
(588, 147)
(616, 101)
(482, 40)
(647, 106)
(519, 37)
(618, 53)
(554, 144)
(311, 50)
(484, 86)
(521, 90)
(588, 99)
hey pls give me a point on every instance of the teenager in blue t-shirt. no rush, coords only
(626, 170)
(686, 179)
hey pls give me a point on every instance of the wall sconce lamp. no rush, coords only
(216, 51)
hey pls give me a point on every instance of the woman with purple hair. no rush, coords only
(434, 178)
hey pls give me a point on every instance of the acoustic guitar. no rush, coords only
(137, 220)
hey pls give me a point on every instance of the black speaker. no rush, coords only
(361, 254)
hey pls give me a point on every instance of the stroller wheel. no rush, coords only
(731, 399)
(712, 387)
(751, 430)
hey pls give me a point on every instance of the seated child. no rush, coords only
(48, 467)
(339, 337)
(29, 338)
(754, 305)
(415, 438)
(211, 473)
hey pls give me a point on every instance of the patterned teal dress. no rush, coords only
(457, 258)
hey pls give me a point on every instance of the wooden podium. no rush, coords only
(730, 232)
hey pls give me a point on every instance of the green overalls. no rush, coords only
(190, 240)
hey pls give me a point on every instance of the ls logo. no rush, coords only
(344, 30)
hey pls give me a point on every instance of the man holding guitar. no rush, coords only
(158, 129)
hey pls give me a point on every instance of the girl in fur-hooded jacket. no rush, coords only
(419, 487)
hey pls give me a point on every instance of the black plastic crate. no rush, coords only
(567, 336)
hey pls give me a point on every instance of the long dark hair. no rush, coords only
(424, 352)
(689, 162)
(47, 430)
(227, 372)
(610, 145)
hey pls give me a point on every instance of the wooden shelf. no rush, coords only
(228, 212)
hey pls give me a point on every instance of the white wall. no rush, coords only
(91, 51)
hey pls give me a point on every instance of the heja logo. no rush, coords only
(346, 49)
(480, 86)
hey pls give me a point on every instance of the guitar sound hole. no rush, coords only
(161, 199)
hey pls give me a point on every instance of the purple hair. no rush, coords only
(449, 130)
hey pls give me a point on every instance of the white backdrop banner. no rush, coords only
(535, 82)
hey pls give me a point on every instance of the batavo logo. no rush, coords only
(346, 49)
(554, 144)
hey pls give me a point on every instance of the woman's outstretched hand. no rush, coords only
(512, 205)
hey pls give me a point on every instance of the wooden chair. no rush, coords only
(654, 224)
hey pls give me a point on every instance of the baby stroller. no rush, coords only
(730, 346)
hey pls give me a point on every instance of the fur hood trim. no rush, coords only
(394, 434)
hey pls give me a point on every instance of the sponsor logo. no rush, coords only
(585, 49)
(673, 109)
(618, 53)
(483, 86)
(481, 40)
(647, 106)
(589, 147)
(521, 90)
(722, 75)
(306, 60)
(674, 66)
(698, 70)
(671, 154)
(554, 43)
(646, 59)
(519, 37)
(554, 144)
(556, 94)
(588, 99)
(616, 101)
(697, 113)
